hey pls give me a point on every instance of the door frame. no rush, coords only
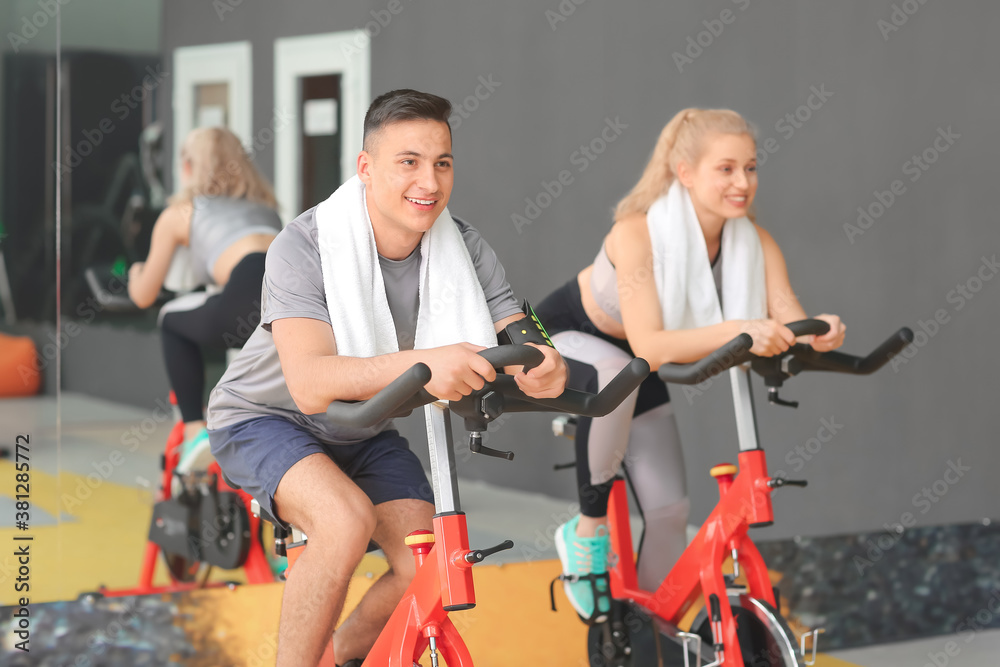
(230, 63)
(346, 53)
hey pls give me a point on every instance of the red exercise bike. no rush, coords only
(199, 521)
(443, 582)
(739, 626)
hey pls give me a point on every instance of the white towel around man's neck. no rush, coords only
(452, 307)
(683, 274)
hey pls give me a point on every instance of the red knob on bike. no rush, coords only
(420, 542)
(723, 474)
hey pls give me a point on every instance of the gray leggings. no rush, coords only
(648, 446)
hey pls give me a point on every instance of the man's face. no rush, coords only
(408, 174)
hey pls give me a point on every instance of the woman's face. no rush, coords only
(724, 181)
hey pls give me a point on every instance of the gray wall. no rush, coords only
(890, 94)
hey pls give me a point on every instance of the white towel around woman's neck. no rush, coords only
(452, 307)
(683, 273)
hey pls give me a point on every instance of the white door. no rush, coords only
(213, 86)
(322, 89)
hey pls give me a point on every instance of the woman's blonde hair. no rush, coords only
(682, 140)
(220, 167)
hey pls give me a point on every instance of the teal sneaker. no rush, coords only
(582, 557)
(196, 454)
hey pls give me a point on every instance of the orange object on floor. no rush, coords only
(19, 373)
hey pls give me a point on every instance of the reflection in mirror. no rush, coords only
(80, 143)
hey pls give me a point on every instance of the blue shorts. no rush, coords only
(256, 454)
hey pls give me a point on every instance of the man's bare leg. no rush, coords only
(339, 520)
(396, 519)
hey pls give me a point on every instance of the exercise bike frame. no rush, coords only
(443, 582)
(744, 498)
(255, 567)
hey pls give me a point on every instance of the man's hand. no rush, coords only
(456, 370)
(831, 340)
(547, 379)
(770, 337)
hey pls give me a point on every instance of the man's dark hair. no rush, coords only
(400, 105)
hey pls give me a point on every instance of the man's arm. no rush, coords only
(316, 375)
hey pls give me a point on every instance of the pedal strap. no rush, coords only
(593, 579)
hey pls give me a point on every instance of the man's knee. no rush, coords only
(342, 514)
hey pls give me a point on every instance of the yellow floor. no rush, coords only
(103, 535)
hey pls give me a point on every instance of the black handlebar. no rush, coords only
(572, 401)
(733, 353)
(405, 393)
(513, 355)
(384, 404)
(839, 362)
(798, 358)
(809, 327)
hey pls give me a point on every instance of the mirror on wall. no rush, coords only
(81, 184)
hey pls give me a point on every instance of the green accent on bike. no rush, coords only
(120, 267)
(538, 323)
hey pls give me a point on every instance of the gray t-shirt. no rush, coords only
(217, 223)
(254, 386)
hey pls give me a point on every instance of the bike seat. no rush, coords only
(723, 469)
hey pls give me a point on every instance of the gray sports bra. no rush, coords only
(604, 283)
(217, 223)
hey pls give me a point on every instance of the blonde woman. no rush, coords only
(649, 293)
(225, 215)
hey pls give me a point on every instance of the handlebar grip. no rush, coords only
(573, 401)
(513, 355)
(731, 354)
(623, 384)
(382, 405)
(886, 351)
(809, 327)
(838, 362)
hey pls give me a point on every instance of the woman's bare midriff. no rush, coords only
(235, 253)
(604, 322)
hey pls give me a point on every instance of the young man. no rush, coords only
(323, 316)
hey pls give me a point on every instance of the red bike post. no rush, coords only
(744, 502)
(443, 583)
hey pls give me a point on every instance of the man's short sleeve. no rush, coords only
(492, 277)
(293, 275)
